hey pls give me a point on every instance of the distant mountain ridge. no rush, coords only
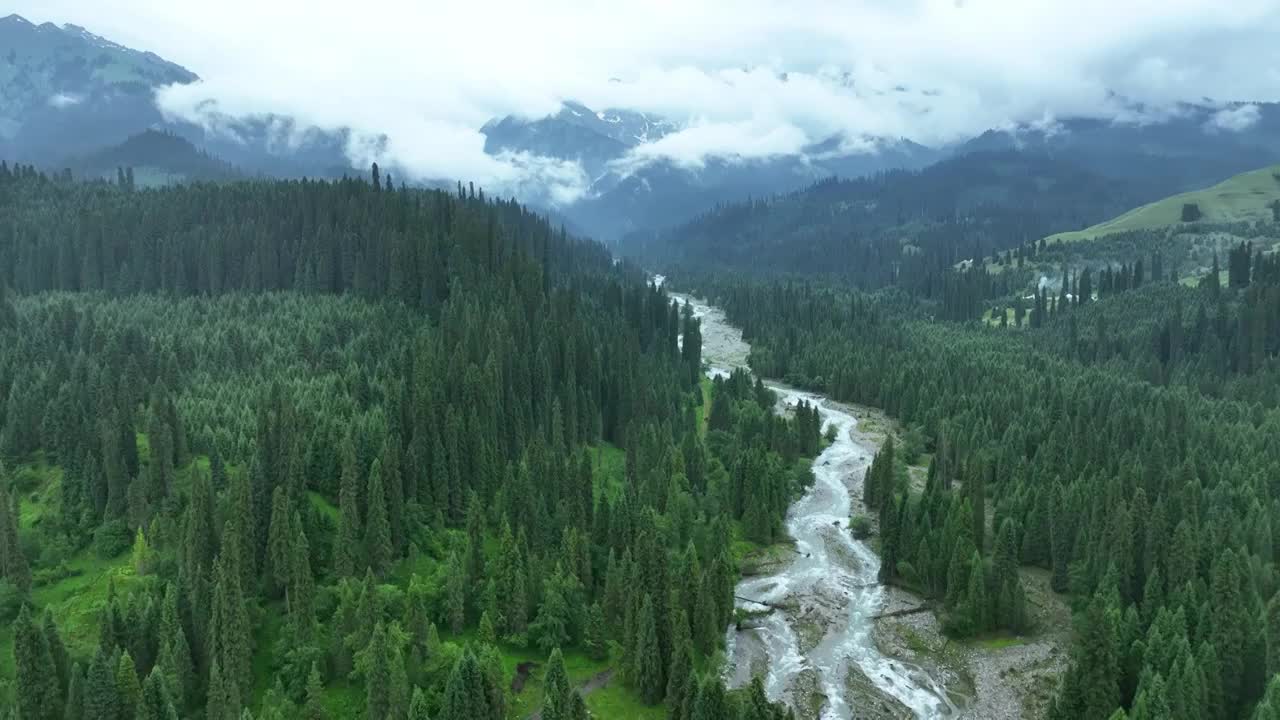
(66, 90)
(631, 193)
(1187, 150)
(578, 133)
(894, 225)
(66, 94)
(1157, 156)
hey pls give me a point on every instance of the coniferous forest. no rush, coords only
(283, 449)
(345, 449)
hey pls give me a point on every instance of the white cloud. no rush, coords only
(64, 100)
(750, 140)
(749, 77)
(1235, 119)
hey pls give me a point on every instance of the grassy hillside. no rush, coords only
(1245, 197)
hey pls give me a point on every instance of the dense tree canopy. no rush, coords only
(339, 425)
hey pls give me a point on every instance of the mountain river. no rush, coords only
(815, 643)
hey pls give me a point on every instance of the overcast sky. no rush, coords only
(750, 77)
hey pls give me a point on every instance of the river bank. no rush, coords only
(827, 649)
(1000, 677)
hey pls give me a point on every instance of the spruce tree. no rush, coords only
(557, 690)
(156, 702)
(381, 666)
(368, 613)
(1272, 625)
(1269, 707)
(101, 694)
(647, 670)
(301, 588)
(377, 535)
(313, 709)
(511, 586)
(889, 539)
(38, 694)
(280, 539)
(455, 594)
(711, 701)
(349, 544)
(13, 563)
(1229, 627)
(223, 697)
(465, 694)
(977, 607)
(232, 635)
(551, 627)
(595, 638)
(74, 709)
(756, 705)
(487, 632)
(58, 652)
(174, 645)
(1090, 687)
(418, 708)
(1010, 600)
(240, 544)
(200, 543)
(680, 675)
(142, 556)
(977, 492)
(130, 688)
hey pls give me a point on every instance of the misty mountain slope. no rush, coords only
(872, 229)
(634, 189)
(273, 145)
(576, 133)
(663, 194)
(64, 90)
(66, 94)
(156, 158)
(1188, 151)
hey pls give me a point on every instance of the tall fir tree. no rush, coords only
(647, 671)
(382, 667)
(557, 691)
(377, 534)
(301, 588)
(13, 562)
(156, 701)
(232, 634)
(349, 545)
(280, 538)
(101, 694)
(74, 709)
(38, 693)
(129, 686)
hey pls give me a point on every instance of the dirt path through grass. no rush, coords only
(594, 683)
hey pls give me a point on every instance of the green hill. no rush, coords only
(1246, 197)
(157, 158)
